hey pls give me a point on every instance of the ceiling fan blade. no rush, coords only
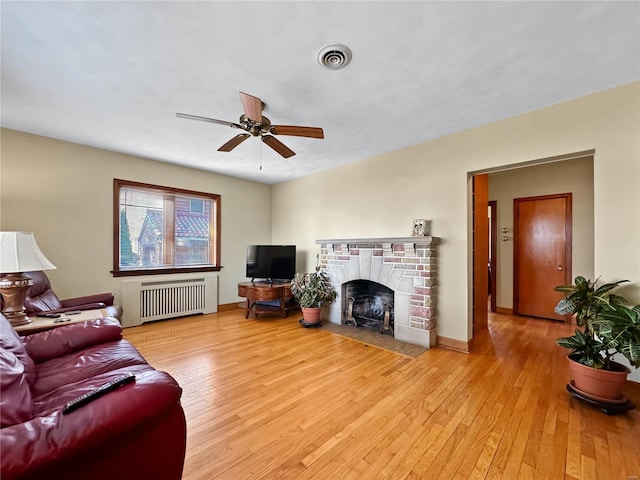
(206, 119)
(311, 132)
(234, 142)
(278, 146)
(252, 107)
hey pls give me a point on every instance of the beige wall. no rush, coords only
(63, 193)
(572, 176)
(380, 196)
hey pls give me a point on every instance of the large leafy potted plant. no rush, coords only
(606, 327)
(312, 291)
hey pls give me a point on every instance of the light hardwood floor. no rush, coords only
(267, 399)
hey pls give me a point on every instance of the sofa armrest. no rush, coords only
(84, 306)
(42, 443)
(71, 338)
(106, 298)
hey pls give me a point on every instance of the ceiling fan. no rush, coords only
(253, 122)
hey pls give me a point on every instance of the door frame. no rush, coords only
(568, 242)
(480, 219)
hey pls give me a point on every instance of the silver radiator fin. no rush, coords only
(184, 300)
(161, 297)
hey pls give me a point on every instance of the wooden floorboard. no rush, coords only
(268, 399)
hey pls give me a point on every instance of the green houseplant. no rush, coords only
(619, 329)
(606, 327)
(312, 291)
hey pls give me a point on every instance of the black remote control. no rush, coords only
(98, 392)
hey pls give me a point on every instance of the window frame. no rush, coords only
(214, 236)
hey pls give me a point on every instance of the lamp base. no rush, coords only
(13, 288)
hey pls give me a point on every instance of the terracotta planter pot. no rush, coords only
(604, 384)
(311, 316)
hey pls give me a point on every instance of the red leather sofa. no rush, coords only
(137, 431)
(41, 298)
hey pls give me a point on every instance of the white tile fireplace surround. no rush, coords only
(406, 265)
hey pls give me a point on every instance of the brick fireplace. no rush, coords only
(406, 265)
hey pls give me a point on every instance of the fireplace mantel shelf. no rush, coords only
(428, 240)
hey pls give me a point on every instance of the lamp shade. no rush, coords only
(19, 252)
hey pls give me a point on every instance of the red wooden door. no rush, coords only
(542, 253)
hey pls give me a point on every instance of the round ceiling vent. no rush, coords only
(334, 56)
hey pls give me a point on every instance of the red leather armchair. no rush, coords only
(135, 432)
(41, 298)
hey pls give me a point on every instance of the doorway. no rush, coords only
(544, 177)
(542, 237)
(493, 249)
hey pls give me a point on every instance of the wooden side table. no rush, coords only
(242, 287)
(285, 288)
(40, 324)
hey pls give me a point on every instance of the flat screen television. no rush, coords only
(271, 262)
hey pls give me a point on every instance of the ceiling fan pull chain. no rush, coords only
(260, 154)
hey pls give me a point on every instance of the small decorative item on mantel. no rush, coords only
(421, 228)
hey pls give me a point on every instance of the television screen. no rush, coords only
(272, 262)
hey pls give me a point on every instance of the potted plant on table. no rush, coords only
(312, 291)
(606, 327)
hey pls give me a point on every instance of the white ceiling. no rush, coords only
(114, 74)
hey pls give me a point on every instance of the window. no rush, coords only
(196, 205)
(164, 230)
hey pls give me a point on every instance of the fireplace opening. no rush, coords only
(368, 304)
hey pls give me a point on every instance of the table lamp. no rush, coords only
(19, 253)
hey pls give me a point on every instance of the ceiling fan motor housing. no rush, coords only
(334, 56)
(255, 128)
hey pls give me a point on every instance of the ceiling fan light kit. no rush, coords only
(334, 56)
(255, 124)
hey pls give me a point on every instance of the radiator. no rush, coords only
(158, 297)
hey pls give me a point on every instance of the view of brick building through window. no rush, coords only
(159, 229)
(191, 234)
